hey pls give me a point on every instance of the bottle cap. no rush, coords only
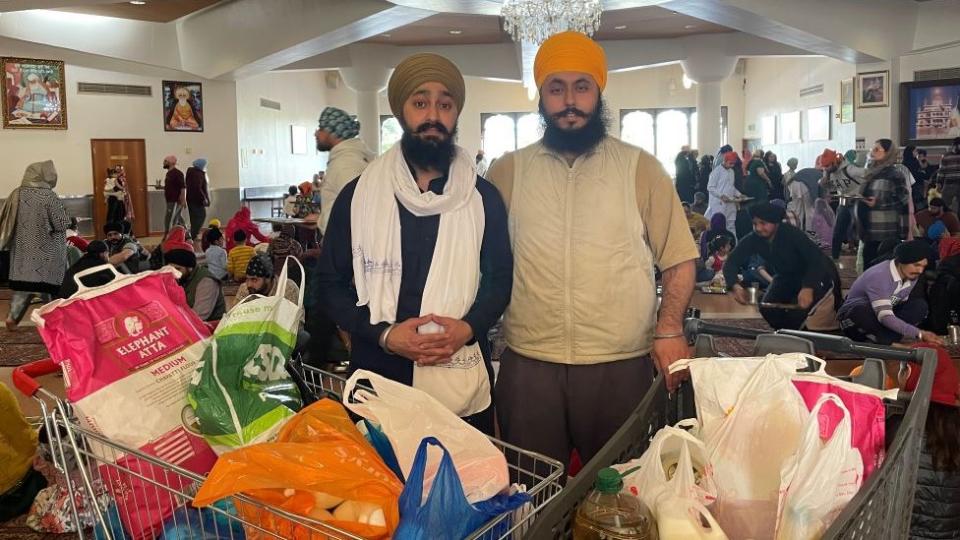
(609, 481)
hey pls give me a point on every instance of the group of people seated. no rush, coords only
(226, 256)
(903, 254)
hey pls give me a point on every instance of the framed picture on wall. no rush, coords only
(847, 91)
(34, 94)
(930, 112)
(182, 106)
(819, 121)
(789, 128)
(873, 89)
(768, 130)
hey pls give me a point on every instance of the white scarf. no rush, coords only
(454, 275)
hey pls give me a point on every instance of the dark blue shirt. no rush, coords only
(418, 238)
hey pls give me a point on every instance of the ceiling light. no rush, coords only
(456, 32)
(138, 2)
(689, 26)
(385, 35)
(620, 27)
(533, 21)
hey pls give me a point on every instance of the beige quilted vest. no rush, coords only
(583, 286)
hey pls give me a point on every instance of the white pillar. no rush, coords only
(708, 69)
(708, 117)
(367, 81)
(368, 112)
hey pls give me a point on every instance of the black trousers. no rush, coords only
(115, 210)
(785, 290)
(859, 322)
(198, 214)
(841, 229)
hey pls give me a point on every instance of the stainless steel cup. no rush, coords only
(953, 334)
(753, 293)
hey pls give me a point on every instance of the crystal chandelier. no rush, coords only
(534, 21)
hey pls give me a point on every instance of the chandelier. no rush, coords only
(534, 21)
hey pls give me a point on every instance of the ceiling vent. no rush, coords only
(114, 89)
(269, 104)
(937, 74)
(811, 90)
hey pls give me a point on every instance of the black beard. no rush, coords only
(429, 153)
(576, 141)
(321, 147)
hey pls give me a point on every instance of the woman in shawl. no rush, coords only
(775, 173)
(885, 208)
(241, 222)
(800, 202)
(718, 227)
(33, 226)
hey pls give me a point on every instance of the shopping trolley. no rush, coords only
(883, 506)
(97, 459)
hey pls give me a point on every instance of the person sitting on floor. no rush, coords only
(239, 256)
(96, 255)
(204, 292)
(802, 274)
(283, 246)
(698, 224)
(262, 280)
(879, 307)
(123, 251)
(215, 256)
(241, 221)
(937, 212)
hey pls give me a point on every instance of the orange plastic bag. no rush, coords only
(318, 451)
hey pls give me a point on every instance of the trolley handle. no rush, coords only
(24, 376)
(839, 344)
(846, 345)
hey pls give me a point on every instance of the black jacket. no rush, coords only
(936, 505)
(69, 287)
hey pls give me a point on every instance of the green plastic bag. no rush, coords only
(241, 392)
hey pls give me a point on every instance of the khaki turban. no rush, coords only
(570, 51)
(419, 69)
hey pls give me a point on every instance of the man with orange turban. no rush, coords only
(722, 191)
(846, 180)
(416, 262)
(590, 216)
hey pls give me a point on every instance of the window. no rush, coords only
(390, 132)
(662, 132)
(505, 132)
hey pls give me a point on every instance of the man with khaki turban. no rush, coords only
(589, 217)
(416, 264)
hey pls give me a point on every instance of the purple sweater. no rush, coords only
(882, 288)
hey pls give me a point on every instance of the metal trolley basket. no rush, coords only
(880, 510)
(93, 458)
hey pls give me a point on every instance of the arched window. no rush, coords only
(673, 132)
(636, 128)
(390, 132)
(499, 136)
(663, 132)
(529, 129)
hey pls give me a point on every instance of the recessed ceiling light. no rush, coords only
(620, 27)
(690, 26)
(456, 32)
(138, 2)
(385, 35)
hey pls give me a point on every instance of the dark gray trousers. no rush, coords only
(553, 408)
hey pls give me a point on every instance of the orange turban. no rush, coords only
(829, 158)
(570, 51)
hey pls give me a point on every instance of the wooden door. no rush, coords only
(132, 154)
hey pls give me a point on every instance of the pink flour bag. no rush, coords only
(128, 350)
(867, 415)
